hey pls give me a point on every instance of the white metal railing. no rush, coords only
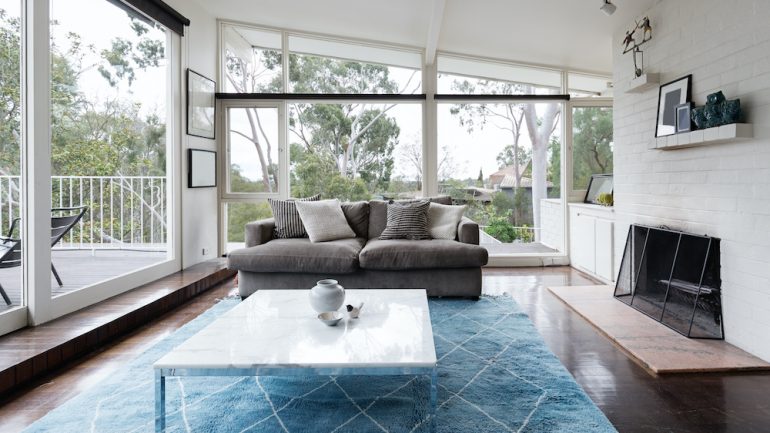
(124, 212)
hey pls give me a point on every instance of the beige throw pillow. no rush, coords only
(324, 220)
(443, 220)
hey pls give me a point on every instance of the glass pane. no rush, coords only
(10, 154)
(503, 161)
(473, 76)
(108, 143)
(592, 144)
(582, 85)
(238, 214)
(356, 151)
(253, 60)
(252, 141)
(321, 66)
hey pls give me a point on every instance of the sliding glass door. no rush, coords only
(12, 294)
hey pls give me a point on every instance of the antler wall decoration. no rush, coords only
(630, 43)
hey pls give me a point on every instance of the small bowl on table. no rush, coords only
(330, 318)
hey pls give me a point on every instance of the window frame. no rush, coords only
(577, 195)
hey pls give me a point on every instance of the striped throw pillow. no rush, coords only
(407, 221)
(288, 224)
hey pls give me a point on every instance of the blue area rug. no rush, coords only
(495, 375)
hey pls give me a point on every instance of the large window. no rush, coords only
(503, 161)
(10, 155)
(356, 151)
(499, 144)
(592, 144)
(109, 93)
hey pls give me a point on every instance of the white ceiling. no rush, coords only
(562, 33)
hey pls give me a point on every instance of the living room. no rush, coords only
(384, 216)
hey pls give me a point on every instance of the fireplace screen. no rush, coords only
(673, 277)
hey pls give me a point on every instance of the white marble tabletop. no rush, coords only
(279, 329)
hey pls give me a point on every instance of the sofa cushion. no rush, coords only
(288, 224)
(378, 212)
(407, 221)
(357, 214)
(444, 219)
(299, 255)
(324, 220)
(402, 254)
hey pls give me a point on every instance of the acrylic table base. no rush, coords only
(162, 373)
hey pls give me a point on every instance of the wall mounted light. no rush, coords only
(608, 8)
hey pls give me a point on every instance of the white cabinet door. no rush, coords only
(603, 236)
(584, 244)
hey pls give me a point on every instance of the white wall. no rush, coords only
(552, 223)
(722, 190)
(199, 205)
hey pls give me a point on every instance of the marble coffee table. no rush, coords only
(276, 333)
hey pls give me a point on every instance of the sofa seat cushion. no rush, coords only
(299, 255)
(402, 254)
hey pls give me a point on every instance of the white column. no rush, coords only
(36, 158)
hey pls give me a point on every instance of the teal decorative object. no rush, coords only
(698, 116)
(715, 98)
(718, 111)
(731, 111)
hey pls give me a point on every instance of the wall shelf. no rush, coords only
(643, 83)
(704, 137)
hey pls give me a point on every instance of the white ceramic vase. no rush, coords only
(327, 295)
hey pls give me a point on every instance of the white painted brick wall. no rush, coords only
(721, 190)
(552, 223)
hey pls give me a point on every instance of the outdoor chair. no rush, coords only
(62, 221)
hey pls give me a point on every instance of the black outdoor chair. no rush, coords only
(62, 221)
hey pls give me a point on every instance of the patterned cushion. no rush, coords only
(324, 220)
(288, 224)
(407, 221)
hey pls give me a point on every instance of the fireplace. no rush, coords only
(674, 278)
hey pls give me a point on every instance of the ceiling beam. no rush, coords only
(434, 30)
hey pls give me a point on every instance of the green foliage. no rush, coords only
(592, 144)
(501, 229)
(554, 169)
(88, 138)
(605, 199)
(238, 214)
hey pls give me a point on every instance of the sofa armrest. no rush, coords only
(468, 231)
(259, 232)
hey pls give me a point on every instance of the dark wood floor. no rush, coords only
(631, 398)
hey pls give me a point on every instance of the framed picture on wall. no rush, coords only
(201, 105)
(683, 122)
(201, 168)
(671, 96)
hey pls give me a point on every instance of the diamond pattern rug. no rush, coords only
(495, 375)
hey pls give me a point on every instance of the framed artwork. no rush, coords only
(599, 184)
(201, 105)
(683, 122)
(671, 96)
(202, 168)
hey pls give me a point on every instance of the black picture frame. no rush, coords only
(201, 168)
(201, 105)
(683, 117)
(599, 184)
(671, 95)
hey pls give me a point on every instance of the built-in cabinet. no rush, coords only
(592, 239)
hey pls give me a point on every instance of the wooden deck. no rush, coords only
(80, 268)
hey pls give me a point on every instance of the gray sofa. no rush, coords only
(442, 267)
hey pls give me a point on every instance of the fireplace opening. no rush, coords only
(673, 277)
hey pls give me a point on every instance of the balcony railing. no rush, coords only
(124, 212)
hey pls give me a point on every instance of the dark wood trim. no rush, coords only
(321, 96)
(30, 353)
(477, 97)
